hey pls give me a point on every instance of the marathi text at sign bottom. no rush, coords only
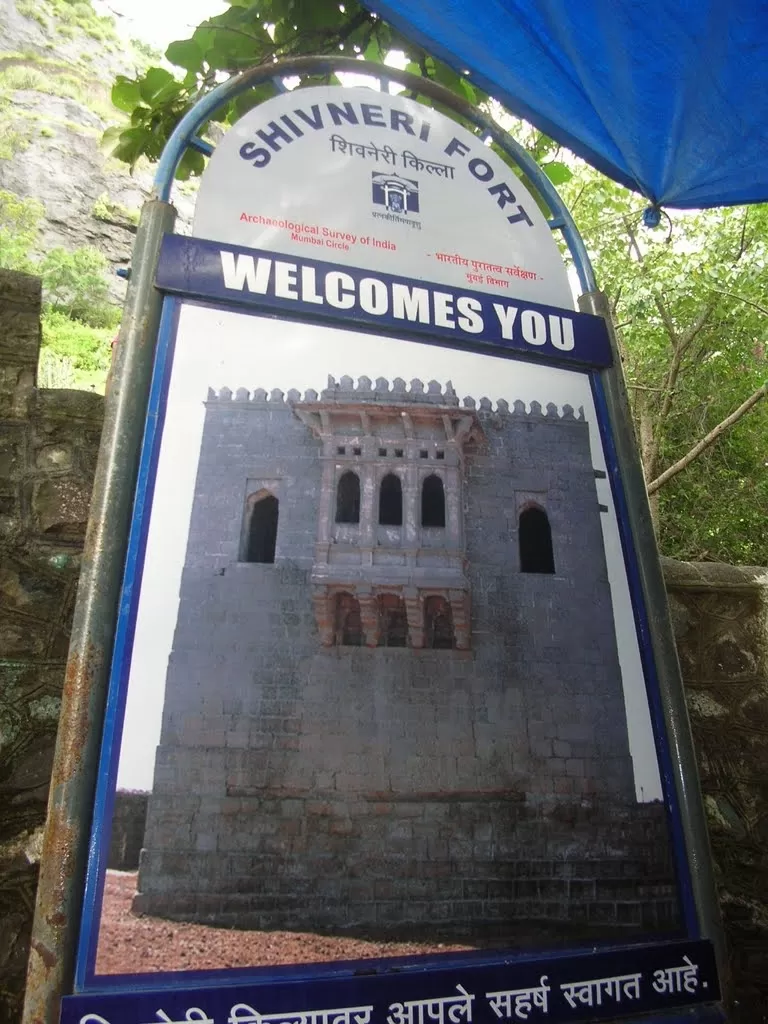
(532, 1002)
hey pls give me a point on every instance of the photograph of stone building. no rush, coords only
(394, 702)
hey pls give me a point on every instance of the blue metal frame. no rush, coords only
(321, 974)
(650, 674)
(104, 800)
(85, 979)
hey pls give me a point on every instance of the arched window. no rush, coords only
(391, 501)
(262, 530)
(432, 501)
(393, 621)
(348, 498)
(438, 624)
(535, 538)
(349, 626)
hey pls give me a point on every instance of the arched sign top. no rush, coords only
(375, 181)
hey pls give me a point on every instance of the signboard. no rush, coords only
(382, 698)
(379, 182)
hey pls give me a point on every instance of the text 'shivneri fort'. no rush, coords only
(394, 701)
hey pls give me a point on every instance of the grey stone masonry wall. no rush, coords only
(375, 788)
(720, 617)
(48, 445)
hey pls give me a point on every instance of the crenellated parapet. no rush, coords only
(346, 391)
(381, 390)
(259, 396)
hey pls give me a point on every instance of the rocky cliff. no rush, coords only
(57, 63)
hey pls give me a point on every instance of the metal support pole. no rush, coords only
(683, 757)
(78, 743)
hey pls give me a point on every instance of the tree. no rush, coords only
(687, 300)
(246, 35)
(19, 227)
(75, 283)
(78, 319)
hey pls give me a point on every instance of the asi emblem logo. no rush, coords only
(398, 195)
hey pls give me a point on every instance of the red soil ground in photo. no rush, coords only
(133, 944)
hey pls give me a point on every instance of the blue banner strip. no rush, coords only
(599, 985)
(272, 282)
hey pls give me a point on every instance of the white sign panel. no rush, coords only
(379, 182)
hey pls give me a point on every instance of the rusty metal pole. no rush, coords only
(683, 756)
(70, 803)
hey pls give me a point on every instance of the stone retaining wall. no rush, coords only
(48, 445)
(720, 617)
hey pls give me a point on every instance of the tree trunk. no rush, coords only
(648, 450)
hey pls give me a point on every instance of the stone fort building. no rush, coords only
(394, 700)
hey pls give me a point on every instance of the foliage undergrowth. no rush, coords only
(78, 322)
(110, 210)
(80, 14)
(688, 301)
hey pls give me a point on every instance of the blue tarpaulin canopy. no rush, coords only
(668, 97)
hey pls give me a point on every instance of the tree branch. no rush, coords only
(743, 241)
(680, 346)
(749, 302)
(237, 32)
(321, 37)
(710, 439)
(576, 201)
(699, 323)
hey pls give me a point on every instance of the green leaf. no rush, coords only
(446, 76)
(110, 138)
(468, 90)
(132, 144)
(558, 173)
(233, 40)
(373, 51)
(247, 100)
(185, 53)
(192, 163)
(140, 113)
(318, 14)
(543, 145)
(284, 31)
(154, 82)
(125, 93)
(204, 38)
